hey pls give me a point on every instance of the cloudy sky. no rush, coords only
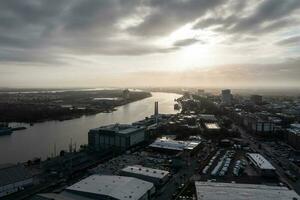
(204, 43)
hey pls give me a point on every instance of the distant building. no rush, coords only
(115, 136)
(212, 128)
(293, 136)
(105, 187)
(14, 178)
(262, 165)
(258, 125)
(156, 176)
(126, 94)
(226, 97)
(257, 99)
(234, 191)
(201, 92)
(207, 118)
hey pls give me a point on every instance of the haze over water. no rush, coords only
(40, 139)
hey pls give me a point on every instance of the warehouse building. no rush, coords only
(233, 191)
(116, 136)
(156, 176)
(170, 145)
(14, 178)
(262, 165)
(105, 187)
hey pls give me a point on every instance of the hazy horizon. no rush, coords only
(150, 43)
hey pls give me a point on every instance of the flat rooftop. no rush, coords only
(233, 191)
(212, 126)
(118, 187)
(10, 174)
(165, 143)
(119, 128)
(208, 117)
(260, 161)
(150, 172)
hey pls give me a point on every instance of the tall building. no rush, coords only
(117, 136)
(226, 96)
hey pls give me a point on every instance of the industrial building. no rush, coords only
(115, 137)
(14, 178)
(262, 165)
(167, 144)
(105, 187)
(156, 176)
(176, 145)
(258, 124)
(233, 191)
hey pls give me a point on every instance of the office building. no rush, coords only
(116, 136)
(234, 191)
(226, 97)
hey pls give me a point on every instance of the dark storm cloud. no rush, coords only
(167, 15)
(53, 28)
(295, 40)
(268, 16)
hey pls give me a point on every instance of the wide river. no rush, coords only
(41, 139)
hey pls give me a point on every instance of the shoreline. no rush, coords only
(76, 116)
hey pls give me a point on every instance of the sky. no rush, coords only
(150, 43)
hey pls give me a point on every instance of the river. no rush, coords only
(41, 139)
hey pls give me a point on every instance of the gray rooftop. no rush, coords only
(232, 191)
(260, 161)
(166, 143)
(119, 128)
(118, 187)
(13, 173)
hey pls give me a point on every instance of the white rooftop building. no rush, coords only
(233, 191)
(261, 164)
(155, 176)
(104, 187)
(176, 145)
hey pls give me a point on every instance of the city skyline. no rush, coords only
(193, 43)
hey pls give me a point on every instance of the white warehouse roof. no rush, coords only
(260, 161)
(232, 191)
(165, 143)
(150, 172)
(118, 187)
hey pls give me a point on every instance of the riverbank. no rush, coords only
(60, 106)
(41, 139)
